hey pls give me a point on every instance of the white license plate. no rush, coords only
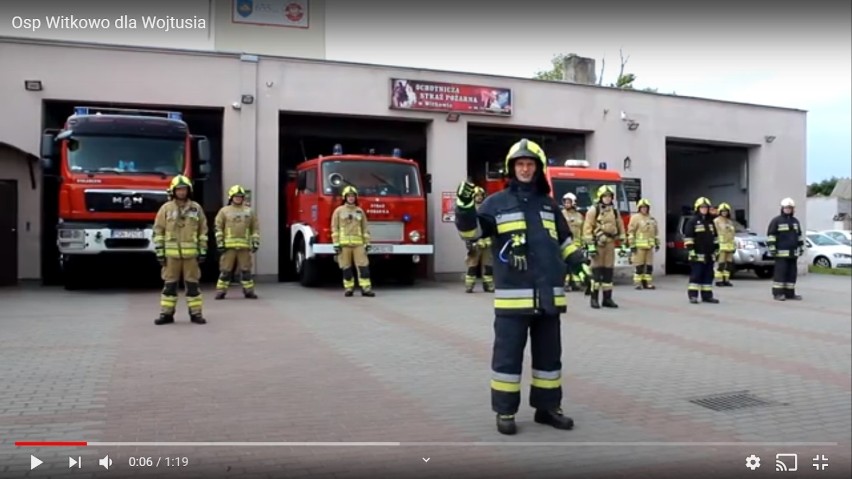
(125, 234)
(381, 249)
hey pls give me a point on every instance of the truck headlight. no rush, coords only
(414, 236)
(71, 234)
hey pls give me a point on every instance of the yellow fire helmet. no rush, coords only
(349, 190)
(703, 201)
(724, 206)
(643, 202)
(180, 181)
(236, 190)
(479, 191)
(525, 149)
(605, 190)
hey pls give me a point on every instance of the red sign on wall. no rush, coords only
(450, 97)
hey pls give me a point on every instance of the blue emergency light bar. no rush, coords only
(338, 149)
(88, 110)
(397, 152)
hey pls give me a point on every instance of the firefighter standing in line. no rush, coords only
(237, 237)
(726, 231)
(350, 234)
(576, 279)
(643, 238)
(786, 244)
(701, 241)
(479, 254)
(180, 241)
(602, 227)
(531, 242)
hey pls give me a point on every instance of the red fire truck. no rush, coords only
(391, 193)
(114, 167)
(575, 176)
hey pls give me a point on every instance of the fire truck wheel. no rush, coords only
(72, 275)
(306, 269)
(406, 273)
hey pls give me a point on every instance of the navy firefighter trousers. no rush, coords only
(510, 339)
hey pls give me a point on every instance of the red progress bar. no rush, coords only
(51, 443)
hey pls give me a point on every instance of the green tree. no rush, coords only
(623, 80)
(824, 187)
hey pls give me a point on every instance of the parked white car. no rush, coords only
(841, 236)
(822, 250)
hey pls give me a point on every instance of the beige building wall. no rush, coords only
(251, 134)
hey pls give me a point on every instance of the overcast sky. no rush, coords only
(769, 54)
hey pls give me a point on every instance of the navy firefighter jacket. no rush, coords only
(521, 210)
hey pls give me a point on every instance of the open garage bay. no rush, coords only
(412, 366)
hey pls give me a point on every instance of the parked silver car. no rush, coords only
(752, 250)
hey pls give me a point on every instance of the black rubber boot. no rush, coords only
(197, 319)
(639, 286)
(250, 294)
(220, 294)
(779, 297)
(554, 418)
(164, 319)
(369, 293)
(710, 300)
(488, 287)
(693, 300)
(348, 293)
(727, 283)
(468, 288)
(648, 285)
(506, 424)
(593, 301)
(793, 297)
(607, 300)
(720, 283)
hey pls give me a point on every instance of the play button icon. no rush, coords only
(34, 462)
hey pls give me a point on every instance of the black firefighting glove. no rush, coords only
(368, 247)
(202, 257)
(657, 247)
(518, 252)
(161, 256)
(692, 256)
(464, 195)
(337, 249)
(220, 245)
(255, 245)
(471, 246)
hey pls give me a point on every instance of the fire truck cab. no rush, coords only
(391, 193)
(114, 167)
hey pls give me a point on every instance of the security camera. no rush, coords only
(237, 105)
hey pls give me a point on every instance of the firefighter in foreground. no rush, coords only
(602, 227)
(479, 255)
(701, 241)
(180, 241)
(577, 278)
(726, 231)
(786, 244)
(531, 242)
(643, 238)
(237, 237)
(350, 234)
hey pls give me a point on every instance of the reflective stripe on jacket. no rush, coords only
(642, 231)
(603, 225)
(180, 231)
(785, 236)
(726, 230)
(237, 227)
(575, 221)
(699, 236)
(517, 210)
(349, 226)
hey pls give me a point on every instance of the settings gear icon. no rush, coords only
(752, 462)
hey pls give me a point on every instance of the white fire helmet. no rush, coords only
(569, 196)
(788, 202)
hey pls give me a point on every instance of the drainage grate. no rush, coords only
(732, 401)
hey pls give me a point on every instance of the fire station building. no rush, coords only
(256, 107)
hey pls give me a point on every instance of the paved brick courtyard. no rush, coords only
(412, 366)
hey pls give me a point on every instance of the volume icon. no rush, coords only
(105, 462)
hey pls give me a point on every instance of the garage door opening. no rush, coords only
(110, 269)
(487, 147)
(693, 170)
(304, 137)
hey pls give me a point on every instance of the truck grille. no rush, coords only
(125, 201)
(389, 231)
